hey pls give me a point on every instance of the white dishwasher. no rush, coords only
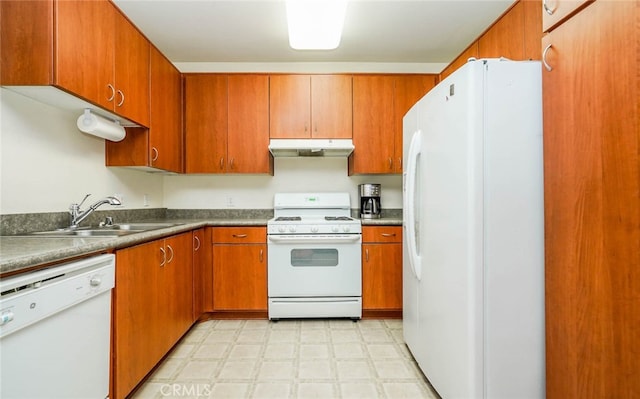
(55, 328)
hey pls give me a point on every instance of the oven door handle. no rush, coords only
(308, 239)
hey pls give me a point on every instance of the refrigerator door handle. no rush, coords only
(415, 149)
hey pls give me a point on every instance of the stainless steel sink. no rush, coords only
(105, 231)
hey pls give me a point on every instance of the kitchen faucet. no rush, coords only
(77, 216)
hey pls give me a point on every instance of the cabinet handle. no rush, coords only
(121, 98)
(164, 257)
(261, 255)
(171, 258)
(155, 153)
(388, 234)
(221, 163)
(239, 235)
(197, 241)
(390, 163)
(231, 163)
(113, 92)
(544, 58)
(547, 9)
(366, 254)
(305, 127)
(400, 163)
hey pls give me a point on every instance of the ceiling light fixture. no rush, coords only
(315, 25)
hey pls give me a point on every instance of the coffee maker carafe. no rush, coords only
(370, 201)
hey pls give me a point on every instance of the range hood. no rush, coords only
(311, 147)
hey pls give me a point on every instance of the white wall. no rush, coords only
(256, 192)
(46, 163)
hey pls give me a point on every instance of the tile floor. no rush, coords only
(289, 359)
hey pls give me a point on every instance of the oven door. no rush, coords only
(315, 265)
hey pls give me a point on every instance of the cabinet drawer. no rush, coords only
(382, 234)
(239, 235)
(555, 12)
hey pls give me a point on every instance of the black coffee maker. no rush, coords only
(370, 201)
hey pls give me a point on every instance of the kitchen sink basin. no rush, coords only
(105, 231)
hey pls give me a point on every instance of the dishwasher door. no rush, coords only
(55, 331)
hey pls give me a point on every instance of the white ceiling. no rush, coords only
(375, 31)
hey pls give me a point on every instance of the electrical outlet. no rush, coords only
(229, 201)
(145, 200)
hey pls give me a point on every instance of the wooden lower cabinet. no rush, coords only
(382, 270)
(239, 268)
(152, 306)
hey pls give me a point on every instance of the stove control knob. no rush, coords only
(346, 229)
(334, 229)
(292, 229)
(281, 229)
(314, 229)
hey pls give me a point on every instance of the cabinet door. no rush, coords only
(205, 123)
(248, 129)
(382, 276)
(592, 212)
(85, 49)
(177, 293)
(202, 273)
(556, 11)
(407, 91)
(331, 106)
(373, 125)
(138, 322)
(240, 277)
(289, 106)
(131, 72)
(165, 130)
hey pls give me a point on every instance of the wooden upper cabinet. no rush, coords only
(248, 125)
(131, 72)
(205, 123)
(86, 48)
(290, 106)
(227, 123)
(469, 52)
(165, 130)
(85, 43)
(554, 12)
(379, 104)
(506, 37)
(407, 91)
(310, 106)
(373, 125)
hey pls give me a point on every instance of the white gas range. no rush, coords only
(314, 253)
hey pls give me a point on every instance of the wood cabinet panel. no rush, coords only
(557, 11)
(506, 37)
(248, 126)
(373, 124)
(592, 206)
(85, 44)
(131, 71)
(205, 126)
(408, 90)
(26, 48)
(240, 277)
(202, 272)
(331, 107)
(152, 306)
(532, 29)
(239, 235)
(382, 268)
(381, 234)
(289, 106)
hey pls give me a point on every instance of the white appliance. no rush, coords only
(473, 217)
(55, 329)
(314, 252)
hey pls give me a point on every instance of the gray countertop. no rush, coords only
(22, 253)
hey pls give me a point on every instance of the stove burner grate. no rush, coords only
(337, 218)
(288, 219)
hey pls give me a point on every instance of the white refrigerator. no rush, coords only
(473, 274)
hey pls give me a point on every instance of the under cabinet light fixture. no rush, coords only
(315, 25)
